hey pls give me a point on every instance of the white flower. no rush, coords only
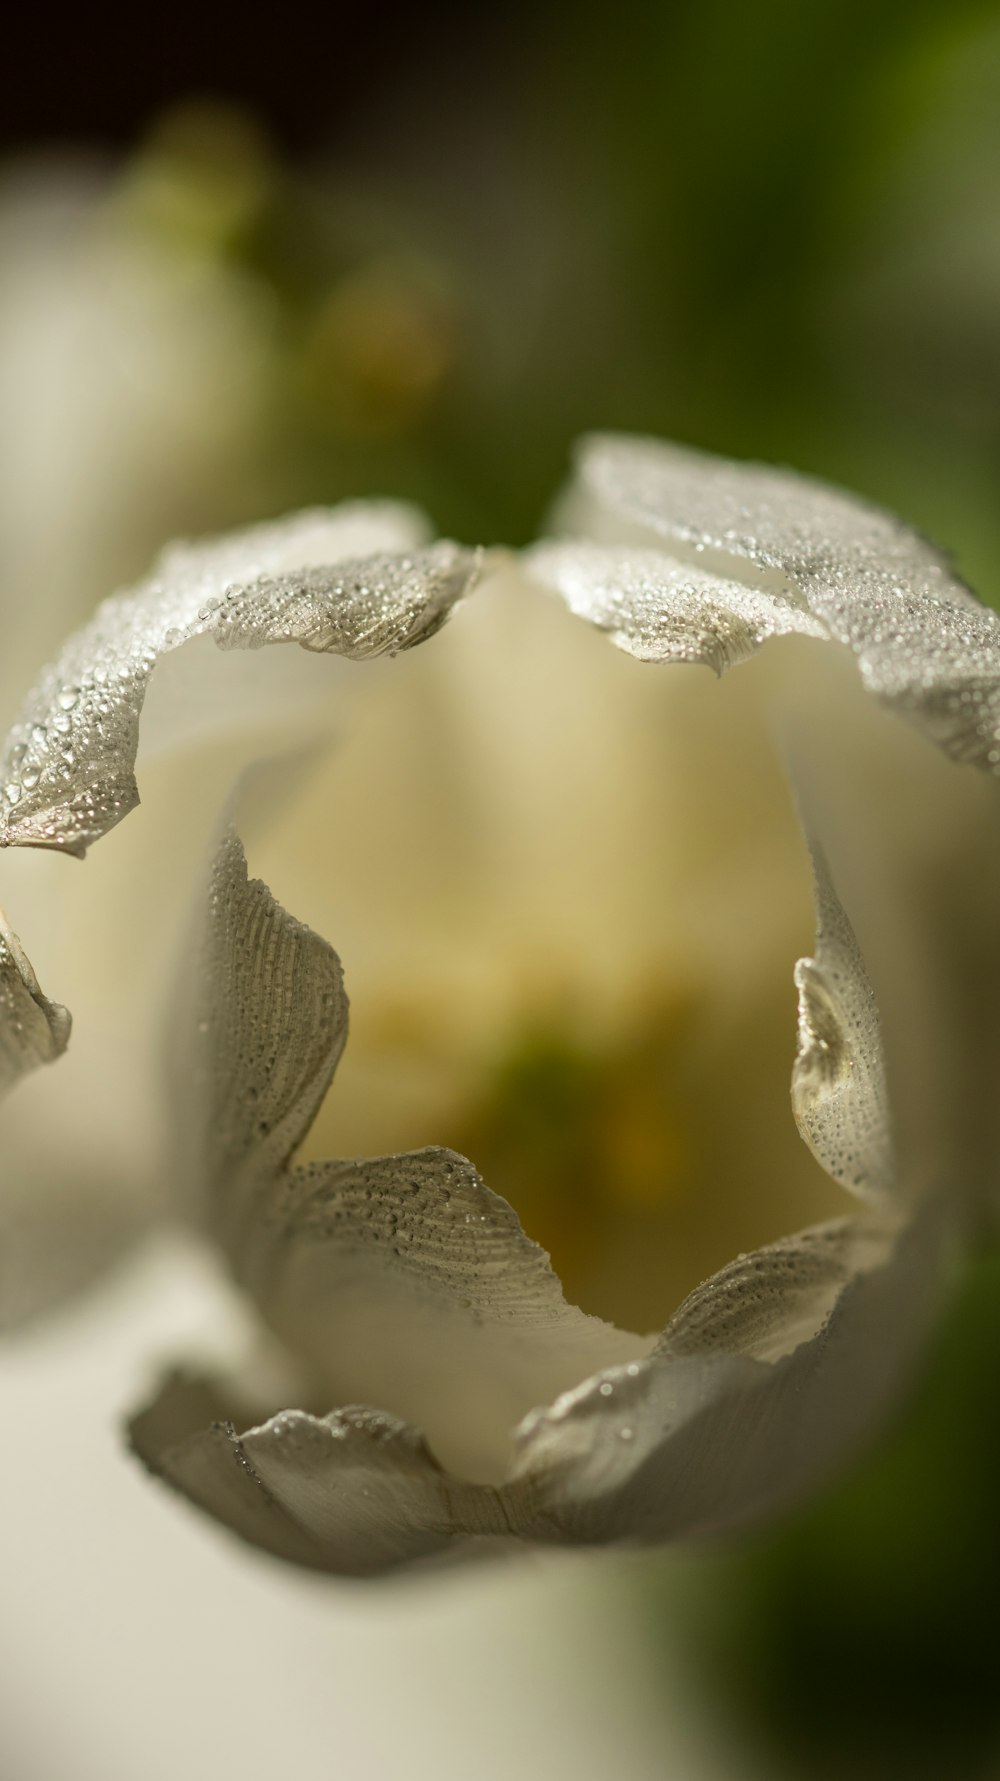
(475, 1406)
(132, 378)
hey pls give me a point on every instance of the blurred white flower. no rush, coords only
(476, 1406)
(135, 369)
(133, 375)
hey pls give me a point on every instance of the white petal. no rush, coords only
(404, 1280)
(914, 847)
(702, 1438)
(85, 1166)
(839, 1092)
(923, 643)
(84, 1157)
(67, 774)
(407, 1282)
(46, 1248)
(33, 1030)
(660, 610)
(374, 606)
(355, 1492)
(764, 1304)
(261, 1026)
(768, 1377)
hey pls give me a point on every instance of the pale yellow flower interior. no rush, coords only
(568, 890)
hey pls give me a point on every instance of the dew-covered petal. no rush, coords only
(923, 643)
(913, 846)
(661, 610)
(355, 1492)
(33, 1030)
(404, 1279)
(768, 1376)
(354, 580)
(762, 1305)
(371, 606)
(261, 1025)
(706, 1436)
(839, 1091)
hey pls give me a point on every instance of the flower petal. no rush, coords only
(764, 1304)
(403, 1279)
(36, 1265)
(923, 643)
(702, 1438)
(373, 606)
(660, 610)
(85, 1165)
(72, 1204)
(839, 1092)
(739, 1411)
(355, 1492)
(33, 1030)
(257, 1045)
(914, 845)
(67, 774)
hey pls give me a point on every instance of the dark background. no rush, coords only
(769, 230)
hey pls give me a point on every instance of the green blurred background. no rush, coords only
(418, 256)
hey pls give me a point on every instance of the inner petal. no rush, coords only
(568, 890)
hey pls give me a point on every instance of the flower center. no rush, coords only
(591, 1140)
(568, 892)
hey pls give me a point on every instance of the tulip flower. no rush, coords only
(443, 1394)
